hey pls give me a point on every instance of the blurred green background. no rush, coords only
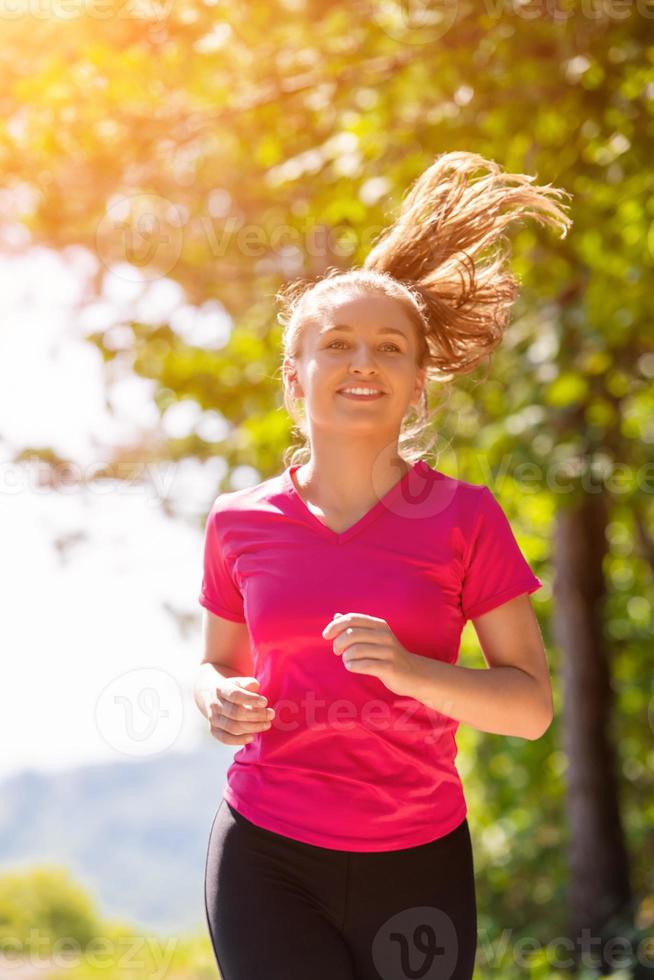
(232, 147)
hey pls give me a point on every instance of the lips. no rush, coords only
(355, 385)
(370, 397)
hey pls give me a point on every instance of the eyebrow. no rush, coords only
(348, 329)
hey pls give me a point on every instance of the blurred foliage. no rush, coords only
(256, 142)
(45, 902)
(48, 924)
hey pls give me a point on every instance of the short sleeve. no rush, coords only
(219, 592)
(495, 568)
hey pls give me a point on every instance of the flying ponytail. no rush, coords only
(446, 221)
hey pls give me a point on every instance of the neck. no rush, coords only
(345, 475)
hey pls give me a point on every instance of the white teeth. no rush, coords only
(361, 391)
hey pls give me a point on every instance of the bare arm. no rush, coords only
(226, 654)
(225, 691)
(513, 696)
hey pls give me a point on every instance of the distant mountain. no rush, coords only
(133, 834)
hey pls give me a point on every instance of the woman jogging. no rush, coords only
(335, 596)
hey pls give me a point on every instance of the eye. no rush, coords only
(389, 344)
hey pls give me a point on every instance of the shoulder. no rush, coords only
(464, 512)
(250, 500)
(466, 498)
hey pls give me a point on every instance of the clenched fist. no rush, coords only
(237, 712)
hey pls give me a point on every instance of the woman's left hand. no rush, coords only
(368, 646)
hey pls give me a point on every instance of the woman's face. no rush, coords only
(363, 341)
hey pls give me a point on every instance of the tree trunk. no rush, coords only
(599, 887)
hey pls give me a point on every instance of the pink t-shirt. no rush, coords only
(347, 763)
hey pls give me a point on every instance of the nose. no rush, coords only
(362, 360)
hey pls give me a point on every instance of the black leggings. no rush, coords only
(280, 909)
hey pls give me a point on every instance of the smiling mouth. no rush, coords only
(361, 398)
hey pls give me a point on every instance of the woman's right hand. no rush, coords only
(237, 712)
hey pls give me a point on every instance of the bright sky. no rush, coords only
(96, 666)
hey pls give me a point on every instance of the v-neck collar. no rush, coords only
(363, 521)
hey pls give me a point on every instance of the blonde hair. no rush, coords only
(429, 261)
